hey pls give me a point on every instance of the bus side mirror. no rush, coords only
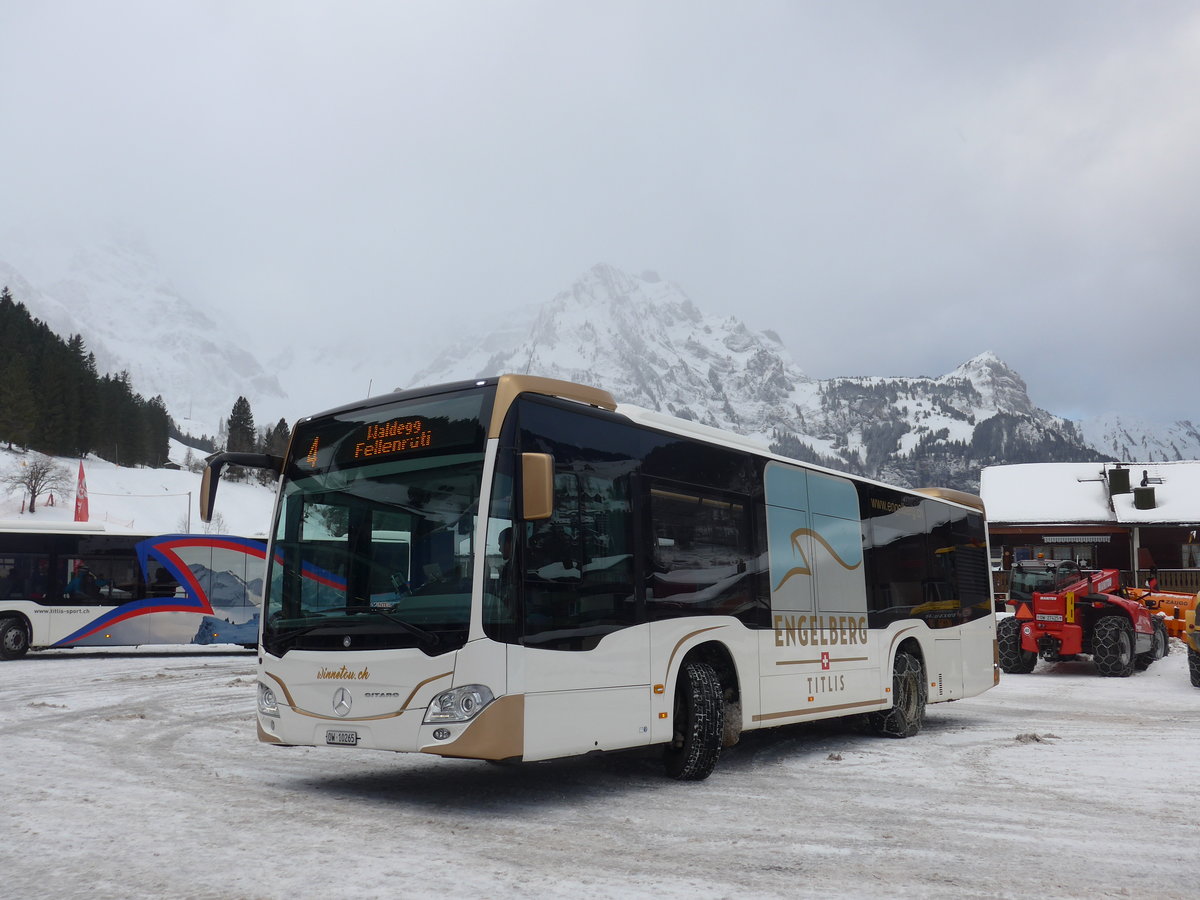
(537, 486)
(217, 462)
(208, 490)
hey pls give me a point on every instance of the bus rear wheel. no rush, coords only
(909, 696)
(14, 639)
(699, 723)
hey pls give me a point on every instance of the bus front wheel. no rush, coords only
(699, 723)
(14, 639)
(909, 695)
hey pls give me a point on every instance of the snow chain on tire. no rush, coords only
(699, 723)
(1112, 647)
(1194, 667)
(909, 696)
(1013, 659)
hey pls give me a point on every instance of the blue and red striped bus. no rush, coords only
(78, 585)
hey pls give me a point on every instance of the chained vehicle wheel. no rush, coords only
(1112, 647)
(909, 696)
(1014, 659)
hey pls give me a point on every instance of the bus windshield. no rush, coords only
(373, 541)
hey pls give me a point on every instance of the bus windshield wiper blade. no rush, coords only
(428, 638)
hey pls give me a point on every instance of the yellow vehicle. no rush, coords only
(1192, 637)
(1173, 605)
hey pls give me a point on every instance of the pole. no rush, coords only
(189, 513)
(1137, 543)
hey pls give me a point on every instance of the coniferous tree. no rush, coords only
(158, 431)
(274, 442)
(18, 410)
(241, 428)
(52, 399)
(81, 396)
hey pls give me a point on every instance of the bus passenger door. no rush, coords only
(819, 656)
(582, 661)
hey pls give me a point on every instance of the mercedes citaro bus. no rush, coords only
(519, 568)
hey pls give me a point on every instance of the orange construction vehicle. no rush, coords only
(1062, 612)
(1191, 637)
(1173, 605)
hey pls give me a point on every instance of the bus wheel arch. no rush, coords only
(14, 637)
(910, 693)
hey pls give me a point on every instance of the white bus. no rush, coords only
(78, 585)
(577, 576)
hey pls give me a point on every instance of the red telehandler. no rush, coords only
(1062, 611)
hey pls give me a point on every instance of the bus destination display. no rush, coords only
(390, 438)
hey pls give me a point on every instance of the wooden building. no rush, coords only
(1129, 516)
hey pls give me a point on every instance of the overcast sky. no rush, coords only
(893, 187)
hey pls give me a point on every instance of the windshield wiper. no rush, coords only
(427, 638)
(291, 636)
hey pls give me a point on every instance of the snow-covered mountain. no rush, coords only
(132, 318)
(640, 337)
(1133, 438)
(643, 339)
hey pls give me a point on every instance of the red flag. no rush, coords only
(81, 504)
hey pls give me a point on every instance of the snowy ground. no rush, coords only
(138, 775)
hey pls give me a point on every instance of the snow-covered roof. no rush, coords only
(1077, 493)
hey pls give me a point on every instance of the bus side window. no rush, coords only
(702, 558)
(578, 564)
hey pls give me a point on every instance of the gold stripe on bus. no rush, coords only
(266, 737)
(391, 715)
(496, 733)
(805, 662)
(763, 717)
(683, 640)
(509, 387)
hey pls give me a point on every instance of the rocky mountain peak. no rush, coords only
(998, 384)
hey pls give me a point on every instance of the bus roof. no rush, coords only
(509, 386)
(17, 525)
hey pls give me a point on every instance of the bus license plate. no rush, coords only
(343, 738)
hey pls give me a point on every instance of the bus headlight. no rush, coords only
(267, 704)
(460, 704)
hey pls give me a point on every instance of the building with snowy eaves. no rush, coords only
(1127, 516)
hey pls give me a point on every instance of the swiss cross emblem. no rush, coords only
(825, 660)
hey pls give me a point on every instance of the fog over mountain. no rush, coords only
(643, 339)
(133, 319)
(640, 337)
